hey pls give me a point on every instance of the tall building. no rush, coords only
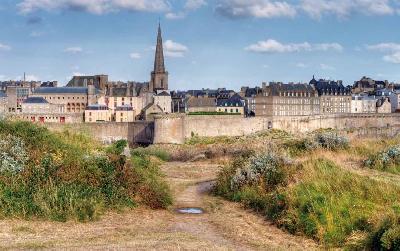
(159, 76)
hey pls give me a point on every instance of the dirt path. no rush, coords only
(224, 226)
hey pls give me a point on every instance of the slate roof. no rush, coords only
(235, 100)
(35, 100)
(96, 107)
(61, 90)
(201, 102)
(327, 87)
(277, 88)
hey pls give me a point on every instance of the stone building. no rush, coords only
(370, 104)
(3, 102)
(249, 95)
(74, 99)
(395, 101)
(37, 109)
(278, 99)
(124, 114)
(234, 105)
(16, 96)
(334, 97)
(99, 81)
(368, 85)
(201, 104)
(97, 113)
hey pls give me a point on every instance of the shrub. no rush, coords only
(61, 176)
(388, 160)
(13, 155)
(268, 167)
(317, 198)
(117, 147)
(331, 141)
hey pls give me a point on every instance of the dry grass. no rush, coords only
(225, 226)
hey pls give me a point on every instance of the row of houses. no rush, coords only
(279, 99)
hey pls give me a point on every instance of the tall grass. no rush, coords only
(317, 199)
(68, 176)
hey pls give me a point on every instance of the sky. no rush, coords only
(208, 43)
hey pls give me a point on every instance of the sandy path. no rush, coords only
(224, 226)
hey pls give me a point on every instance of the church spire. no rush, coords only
(159, 77)
(159, 66)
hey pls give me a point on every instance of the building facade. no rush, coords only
(334, 97)
(278, 99)
(97, 113)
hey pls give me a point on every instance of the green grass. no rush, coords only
(321, 201)
(71, 177)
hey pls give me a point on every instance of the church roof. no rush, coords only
(61, 90)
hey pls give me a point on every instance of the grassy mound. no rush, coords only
(62, 176)
(315, 198)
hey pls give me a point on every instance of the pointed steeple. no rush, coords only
(159, 77)
(159, 66)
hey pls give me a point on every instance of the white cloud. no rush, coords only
(135, 55)
(78, 74)
(327, 67)
(4, 47)
(175, 16)
(73, 50)
(384, 47)
(255, 8)
(344, 8)
(301, 65)
(194, 4)
(175, 50)
(393, 58)
(3, 77)
(94, 6)
(273, 46)
(391, 49)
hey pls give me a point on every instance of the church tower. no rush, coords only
(159, 76)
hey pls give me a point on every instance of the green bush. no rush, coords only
(66, 176)
(317, 198)
(388, 160)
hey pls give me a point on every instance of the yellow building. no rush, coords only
(97, 113)
(233, 105)
(125, 114)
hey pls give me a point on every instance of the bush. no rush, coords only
(13, 155)
(317, 198)
(62, 176)
(388, 160)
(268, 167)
(331, 141)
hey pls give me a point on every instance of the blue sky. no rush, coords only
(208, 43)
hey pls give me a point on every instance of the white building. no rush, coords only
(395, 101)
(370, 104)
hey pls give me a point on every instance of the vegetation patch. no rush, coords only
(387, 160)
(315, 198)
(62, 176)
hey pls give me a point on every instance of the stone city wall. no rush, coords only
(175, 129)
(134, 133)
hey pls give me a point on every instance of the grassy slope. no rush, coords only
(322, 198)
(69, 176)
